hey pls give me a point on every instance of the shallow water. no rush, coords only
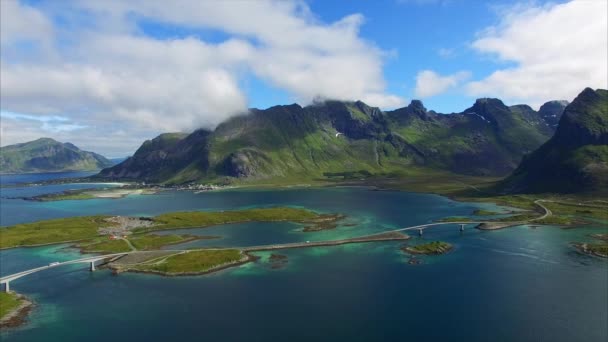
(519, 284)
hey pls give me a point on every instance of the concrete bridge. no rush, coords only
(88, 260)
(422, 227)
(382, 236)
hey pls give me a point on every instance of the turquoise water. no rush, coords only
(520, 284)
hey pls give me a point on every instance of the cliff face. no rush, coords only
(336, 136)
(575, 159)
(48, 155)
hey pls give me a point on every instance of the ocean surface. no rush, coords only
(517, 284)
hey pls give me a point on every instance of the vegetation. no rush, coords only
(483, 212)
(154, 241)
(575, 158)
(347, 175)
(202, 219)
(8, 302)
(322, 222)
(435, 247)
(455, 219)
(87, 227)
(47, 155)
(104, 245)
(65, 195)
(599, 248)
(193, 262)
(51, 231)
(292, 143)
(580, 209)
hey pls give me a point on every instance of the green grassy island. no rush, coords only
(483, 212)
(13, 309)
(599, 248)
(92, 232)
(188, 263)
(431, 248)
(9, 301)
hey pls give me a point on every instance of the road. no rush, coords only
(383, 236)
(77, 261)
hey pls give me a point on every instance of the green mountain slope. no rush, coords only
(48, 155)
(335, 136)
(575, 159)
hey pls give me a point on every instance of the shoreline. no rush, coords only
(247, 258)
(583, 248)
(19, 315)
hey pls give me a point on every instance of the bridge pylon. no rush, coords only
(7, 287)
(92, 267)
(420, 230)
(462, 227)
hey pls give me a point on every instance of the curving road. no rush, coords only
(382, 236)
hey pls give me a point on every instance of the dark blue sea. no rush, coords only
(517, 284)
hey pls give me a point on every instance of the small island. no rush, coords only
(91, 193)
(195, 262)
(599, 249)
(277, 261)
(483, 212)
(431, 248)
(323, 222)
(14, 308)
(121, 233)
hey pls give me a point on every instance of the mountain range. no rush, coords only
(48, 155)
(291, 141)
(562, 147)
(575, 159)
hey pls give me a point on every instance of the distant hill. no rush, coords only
(575, 159)
(295, 142)
(48, 155)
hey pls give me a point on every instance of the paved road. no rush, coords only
(383, 236)
(547, 210)
(77, 261)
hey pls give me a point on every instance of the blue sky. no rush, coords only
(107, 75)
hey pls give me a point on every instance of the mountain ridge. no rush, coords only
(488, 138)
(48, 155)
(575, 159)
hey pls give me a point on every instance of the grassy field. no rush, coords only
(51, 231)
(193, 262)
(435, 247)
(482, 212)
(8, 302)
(153, 241)
(455, 219)
(599, 248)
(86, 227)
(206, 219)
(66, 195)
(104, 245)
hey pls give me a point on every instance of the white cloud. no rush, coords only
(446, 53)
(99, 69)
(53, 124)
(430, 83)
(22, 22)
(558, 50)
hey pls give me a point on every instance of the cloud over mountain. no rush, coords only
(95, 63)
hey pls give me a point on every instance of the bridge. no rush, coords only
(381, 236)
(90, 260)
(422, 227)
